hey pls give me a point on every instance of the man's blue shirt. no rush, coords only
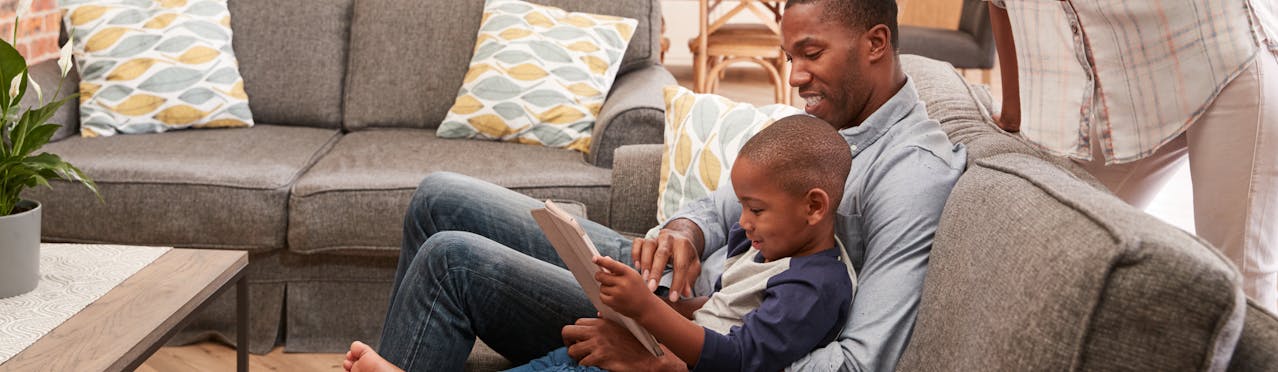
(903, 168)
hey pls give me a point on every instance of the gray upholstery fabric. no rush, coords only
(355, 197)
(408, 57)
(205, 188)
(331, 301)
(635, 183)
(216, 320)
(970, 46)
(484, 358)
(1050, 274)
(633, 114)
(292, 55)
(48, 75)
(1257, 349)
(966, 120)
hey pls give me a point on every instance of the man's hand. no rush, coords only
(621, 288)
(607, 345)
(681, 240)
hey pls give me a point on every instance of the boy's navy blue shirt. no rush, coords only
(803, 307)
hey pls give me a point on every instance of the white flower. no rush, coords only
(64, 60)
(36, 86)
(13, 87)
(24, 7)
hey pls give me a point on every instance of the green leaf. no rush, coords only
(570, 73)
(12, 65)
(128, 17)
(501, 22)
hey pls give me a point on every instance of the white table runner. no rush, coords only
(71, 277)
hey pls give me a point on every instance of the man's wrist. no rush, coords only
(689, 230)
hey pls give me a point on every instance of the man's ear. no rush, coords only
(879, 39)
(818, 202)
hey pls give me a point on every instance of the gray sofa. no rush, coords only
(1036, 268)
(346, 95)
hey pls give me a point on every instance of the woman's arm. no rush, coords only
(1010, 118)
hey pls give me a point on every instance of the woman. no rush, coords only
(1130, 89)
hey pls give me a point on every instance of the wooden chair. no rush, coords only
(719, 44)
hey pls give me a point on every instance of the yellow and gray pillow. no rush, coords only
(703, 134)
(539, 75)
(154, 66)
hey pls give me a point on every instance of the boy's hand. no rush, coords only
(621, 288)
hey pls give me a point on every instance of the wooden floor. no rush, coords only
(211, 356)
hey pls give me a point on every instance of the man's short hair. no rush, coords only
(802, 153)
(858, 14)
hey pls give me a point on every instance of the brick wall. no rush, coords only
(38, 36)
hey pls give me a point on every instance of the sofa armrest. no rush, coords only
(634, 113)
(47, 74)
(1257, 348)
(633, 199)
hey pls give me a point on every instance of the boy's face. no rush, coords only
(777, 222)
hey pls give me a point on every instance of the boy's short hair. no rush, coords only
(802, 153)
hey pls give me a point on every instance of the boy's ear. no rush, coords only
(818, 205)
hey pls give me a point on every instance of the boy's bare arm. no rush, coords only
(622, 289)
(687, 306)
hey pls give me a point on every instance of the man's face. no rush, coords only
(827, 64)
(775, 221)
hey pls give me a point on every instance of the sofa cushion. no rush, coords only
(293, 58)
(539, 75)
(1052, 274)
(354, 198)
(223, 188)
(150, 67)
(408, 57)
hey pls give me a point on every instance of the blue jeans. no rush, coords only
(475, 264)
(556, 361)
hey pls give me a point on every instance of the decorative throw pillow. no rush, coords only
(153, 66)
(539, 75)
(703, 134)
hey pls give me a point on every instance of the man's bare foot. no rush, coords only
(362, 358)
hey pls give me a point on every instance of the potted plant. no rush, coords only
(22, 132)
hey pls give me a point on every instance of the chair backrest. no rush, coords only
(975, 21)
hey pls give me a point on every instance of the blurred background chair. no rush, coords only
(720, 43)
(971, 46)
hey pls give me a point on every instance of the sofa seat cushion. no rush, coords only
(353, 200)
(1051, 274)
(224, 188)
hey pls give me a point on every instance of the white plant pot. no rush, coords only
(20, 250)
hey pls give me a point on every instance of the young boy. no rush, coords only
(787, 284)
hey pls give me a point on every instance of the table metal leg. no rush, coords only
(241, 324)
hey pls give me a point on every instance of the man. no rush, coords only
(474, 264)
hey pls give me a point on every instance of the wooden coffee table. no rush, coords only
(130, 322)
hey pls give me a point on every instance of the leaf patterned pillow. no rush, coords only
(539, 75)
(703, 134)
(149, 66)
